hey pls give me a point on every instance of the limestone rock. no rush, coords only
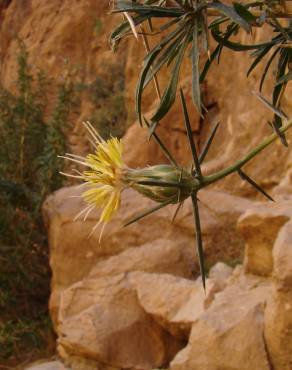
(282, 256)
(73, 255)
(229, 334)
(101, 319)
(175, 303)
(278, 314)
(259, 227)
(162, 256)
(278, 328)
(220, 273)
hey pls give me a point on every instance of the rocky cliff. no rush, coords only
(133, 301)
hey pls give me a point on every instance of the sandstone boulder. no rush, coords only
(162, 256)
(229, 334)
(260, 226)
(101, 319)
(73, 255)
(175, 303)
(278, 314)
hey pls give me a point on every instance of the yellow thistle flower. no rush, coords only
(103, 177)
(107, 176)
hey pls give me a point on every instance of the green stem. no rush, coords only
(207, 180)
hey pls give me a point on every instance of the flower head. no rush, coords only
(103, 176)
(107, 176)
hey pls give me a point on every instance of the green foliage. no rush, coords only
(17, 336)
(31, 138)
(188, 26)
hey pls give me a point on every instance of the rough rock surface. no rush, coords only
(120, 320)
(229, 334)
(260, 226)
(70, 263)
(101, 319)
(278, 315)
(66, 31)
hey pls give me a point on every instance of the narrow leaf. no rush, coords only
(267, 68)
(277, 111)
(208, 63)
(190, 136)
(155, 11)
(141, 215)
(234, 45)
(244, 13)
(147, 64)
(264, 51)
(195, 57)
(284, 79)
(176, 212)
(123, 29)
(208, 143)
(162, 184)
(200, 250)
(164, 149)
(229, 12)
(166, 55)
(245, 177)
(169, 94)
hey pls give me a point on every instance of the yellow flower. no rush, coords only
(103, 176)
(107, 176)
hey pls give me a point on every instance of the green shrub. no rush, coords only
(31, 139)
(32, 136)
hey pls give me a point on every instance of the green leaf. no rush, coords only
(208, 144)
(200, 250)
(264, 51)
(276, 111)
(277, 122)
(164, 59)
(284, 79)
(234, 45)
(208, 64)
(229, 12)
(153, 11)
(195, 58)
(164, 149)
(267, 68)
(162, 184)
(245, 177)
(282, 64)
(148, 212)
(169, 94)
(190, 136)
(147, 64)
(244, 13)
(123, 29)
(176, 212)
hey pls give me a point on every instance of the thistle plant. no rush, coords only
(186, 30)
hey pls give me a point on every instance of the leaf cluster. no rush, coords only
(187, 28)
(186, 31)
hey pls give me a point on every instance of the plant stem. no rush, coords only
(207, 180)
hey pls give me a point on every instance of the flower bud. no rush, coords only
(162, 183)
